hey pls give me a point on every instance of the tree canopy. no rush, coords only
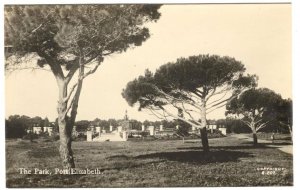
(284, 113)
(187, 81)
(256, 108)
(54, 31)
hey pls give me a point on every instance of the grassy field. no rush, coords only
(279, 138)
(231, 162)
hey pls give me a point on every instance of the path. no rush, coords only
(284, 148)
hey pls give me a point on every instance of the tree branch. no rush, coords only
(247, 123)
(215, 108)
(212, 94)
(214, 105)
(262, 125)
(182, 119)
(217, 99)
(53, 63)
(72, 72)
(81, 77)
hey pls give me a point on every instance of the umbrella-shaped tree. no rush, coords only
(193, 86)
(256, 107)
(69, 39)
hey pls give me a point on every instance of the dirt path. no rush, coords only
(284, 148)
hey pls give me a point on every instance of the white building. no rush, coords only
(37, 130)
(49, 130)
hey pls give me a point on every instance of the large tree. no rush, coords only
(256, 108)
(284, 112)
(69, 39)
(189, 89)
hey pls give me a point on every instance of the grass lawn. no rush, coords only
(231, 162)
(280, 139)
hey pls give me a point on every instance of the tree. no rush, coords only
(135, 124)
(82, 125)
(37, 120)
(147, 123)
(69, 39)
(16, 126)
(113, 122)
(169, 124)
(46, 122)
(285, 114)
(194, 86)
(233, 125)
(256, 108)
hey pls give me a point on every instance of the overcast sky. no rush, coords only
(258, 35)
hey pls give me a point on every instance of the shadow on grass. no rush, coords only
(265, 144)
(278, 143)
(122, 156)
(198, 156)
(241, 147)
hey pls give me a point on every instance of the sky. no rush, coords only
(259, 35)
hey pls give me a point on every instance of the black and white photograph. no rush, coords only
(148, 95)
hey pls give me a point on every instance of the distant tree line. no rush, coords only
(16, 125)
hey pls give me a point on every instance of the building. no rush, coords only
(36, 129)
(126, 124)
(211, 125)
(120, 134)
(48, 129)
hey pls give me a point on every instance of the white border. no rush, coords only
(138, 1)
(295, 55)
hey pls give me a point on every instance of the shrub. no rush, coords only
(215, 134)
(80, 137)
(30, 136)
(55, 137)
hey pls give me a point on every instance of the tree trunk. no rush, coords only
(254, 136)
(65, 130)
(66, 123)
(203, 131)
(254, 139)
(76, 97)
(65, 149)
(251, 125)
(291, 132)
(204, 139)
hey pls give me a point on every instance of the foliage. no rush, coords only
(16, 125)
(183, 90)
(136, 124)
(30, 136)
(257, 107)
(46, 122)
(82, 125)
(55, 137)
(188, 85)
(233, 125)
(183, 128)
(284, 112)
(14, 130)
(55, 127)
(58, 30)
